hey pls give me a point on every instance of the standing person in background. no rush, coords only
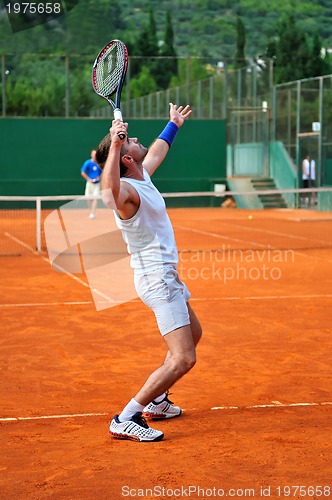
(312, 180)
(91, 172)
(309, 178)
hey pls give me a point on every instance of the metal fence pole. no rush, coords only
(188, 79)
(167, 101)
(128, 87)
(150, 105)
(67, 87)
(211, 97)
(3, 81)
(199, 93)
(254, 102)
(274, 114)
(320, 156)
(224, 110)
(158, 104)
(298, 130)
(239, 83)
(142, 106)
(289, 121)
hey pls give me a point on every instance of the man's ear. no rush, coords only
(127, 160)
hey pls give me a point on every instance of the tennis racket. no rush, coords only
(108, 75)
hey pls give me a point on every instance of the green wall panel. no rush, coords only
(44, 156)
(328, 172)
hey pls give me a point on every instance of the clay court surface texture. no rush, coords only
(257, 407)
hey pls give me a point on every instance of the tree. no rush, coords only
(36, 87)
(168, 67)
(240, 62)
(143, 84)
(88, 25)
(291, 52)
(240, 58)
(319, 62)
(189, 70)
(145, 49)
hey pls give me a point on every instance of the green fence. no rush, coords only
(44, 156)
(59, 85)
(302, 122)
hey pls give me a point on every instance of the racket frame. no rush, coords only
(118, 89)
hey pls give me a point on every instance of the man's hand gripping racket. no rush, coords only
(108, 75)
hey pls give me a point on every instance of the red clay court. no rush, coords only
(257, 406)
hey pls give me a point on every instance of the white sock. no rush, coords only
(130, 410)
(160, 398)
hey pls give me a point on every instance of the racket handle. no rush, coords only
(118, 116)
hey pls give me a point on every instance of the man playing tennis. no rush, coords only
(140, 213)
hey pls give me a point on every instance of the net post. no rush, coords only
(38, 224)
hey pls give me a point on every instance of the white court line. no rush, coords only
(274, 404)
(43, 417)
(108, 299)
(47, 304)
(266, 231)
(20, 242)
(263, 297)
(310, 219)
(219, 236)
(84, 283)
(193, 299)
(75, 278)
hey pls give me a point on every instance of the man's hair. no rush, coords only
(102, 153)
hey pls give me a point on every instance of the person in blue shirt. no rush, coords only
(91, 172)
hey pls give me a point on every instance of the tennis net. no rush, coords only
(216, 221)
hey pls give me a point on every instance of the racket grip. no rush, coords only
(118, 114)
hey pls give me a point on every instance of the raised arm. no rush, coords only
(115, 193)
(159, 149)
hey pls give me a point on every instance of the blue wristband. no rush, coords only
(169, 133)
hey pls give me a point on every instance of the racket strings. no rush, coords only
(109, 70)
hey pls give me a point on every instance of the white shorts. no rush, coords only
(163, 291)
(92, 189)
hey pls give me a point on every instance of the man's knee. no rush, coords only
(181, 364)
(189, 362)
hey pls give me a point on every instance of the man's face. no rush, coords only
(134, 149)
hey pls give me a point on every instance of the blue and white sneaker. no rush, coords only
(162, 410)
(135, 429)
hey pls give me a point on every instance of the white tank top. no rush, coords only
(149, 234)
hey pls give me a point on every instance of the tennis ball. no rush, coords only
(249, 216)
